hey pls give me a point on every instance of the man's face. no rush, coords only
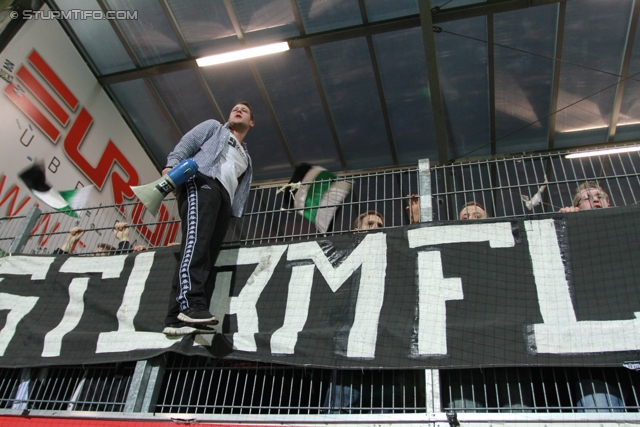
(370, 221)
(472, 212)
(100, 251)
(593, 198)
(240, 118)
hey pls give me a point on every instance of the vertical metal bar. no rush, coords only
(280, 394)
(245, 373)
(22, 395)
(616, 178)
(253, 388)
(627, 176)
(555, 87)
(263, 388)
(635, 172)
(424, 188)
(76, 392)
(633, 388)
(177, 393)
(568, 387)
(624, 70)
(291, 390)
(24, 232)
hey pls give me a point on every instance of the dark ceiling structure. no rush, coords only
(372, 83)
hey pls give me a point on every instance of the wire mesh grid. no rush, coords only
(540, 389)
(502, 186)
(52, 228)
(9, 229)
(92, 388)
(272, 215)
(200, 385)
(505, 188)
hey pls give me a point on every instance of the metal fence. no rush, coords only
(202, 385)
(100, 388)
(198, 385)
(540, 389)
(502, 186)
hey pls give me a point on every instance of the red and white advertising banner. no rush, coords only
(52, 109)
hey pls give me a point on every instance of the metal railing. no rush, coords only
(540, 389)
(100, 388)
(198, 385)
(501, 186)
(203, 385)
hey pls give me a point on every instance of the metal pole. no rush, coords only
(25, 230)
(424, 188)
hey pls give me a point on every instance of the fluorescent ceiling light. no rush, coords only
(603, 152)
(243, 54)
(598, 127)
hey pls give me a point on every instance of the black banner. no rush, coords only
(558, 290)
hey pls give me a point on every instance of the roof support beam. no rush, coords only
(363, 30)
(437, 101)
(492, 84)
(321, 93)
(261, 87)
(150, 86)
(378, 78)
(624, 71)
(194, 66)
(555, 89)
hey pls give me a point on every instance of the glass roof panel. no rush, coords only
(594, 41)
(233, 82)
(150, 36)
(266, 21)
(629, 118)
(379, 10)
(137, 100)
(299, 109)
(463, 77)
(450, 4)
(349, 84)
(523, 80)
(184, 97)
(97, 38)
(205, 26)
(324, 15)
(406, 92)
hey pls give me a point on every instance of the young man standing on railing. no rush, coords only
(206, 203)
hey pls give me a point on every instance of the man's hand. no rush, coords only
(72, 238)
(121, 230)
(165, 171)
(570, 209)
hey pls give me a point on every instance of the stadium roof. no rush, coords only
(372, 83)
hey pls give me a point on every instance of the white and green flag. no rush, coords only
(68, 201)
(319, 195)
